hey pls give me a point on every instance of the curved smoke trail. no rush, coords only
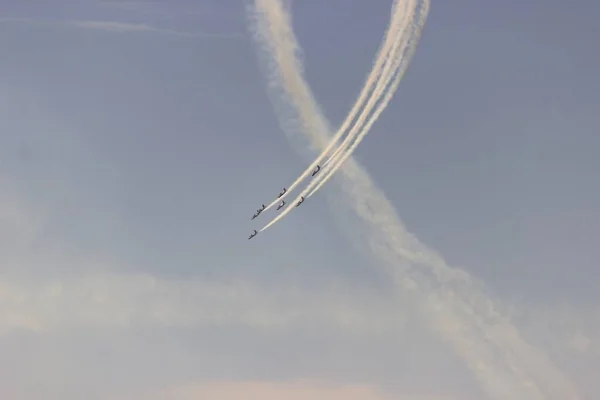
(394, 66)
(396, 22)
(403, 60)
(398, 65)
(451, 302)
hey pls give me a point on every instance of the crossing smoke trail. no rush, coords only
(452, 303)
(394, 69)
(396, 22)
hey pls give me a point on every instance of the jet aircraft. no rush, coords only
(316, 171)
(301, 201)
(281, 205)
(259, 211)
(253, 234)
(282, 193)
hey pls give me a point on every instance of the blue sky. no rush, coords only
(137, 138)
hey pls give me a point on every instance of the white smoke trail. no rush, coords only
(395, 65)
(450, 301)
(403, 60)
(398, 16)
(400, 63)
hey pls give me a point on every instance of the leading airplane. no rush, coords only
(253, 234)
(281, 205)
(316, 171)
(301, 201)
(282, 193)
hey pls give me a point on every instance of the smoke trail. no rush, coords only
(398, 64)
(391, 69)
(450, 301)
(403, 61)
(396, 21)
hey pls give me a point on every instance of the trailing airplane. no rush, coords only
(301, 201)
(282, 193)
(281, 205)
(255, 215)
(316, 171)
(253, 234)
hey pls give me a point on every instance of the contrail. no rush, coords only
(391, 69)
(387, 46)
(399, 73)
(395, 68)
(450, 302)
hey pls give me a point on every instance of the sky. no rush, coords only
(137, 139)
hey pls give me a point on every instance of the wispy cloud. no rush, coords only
(124, 301)
(64, 309)
(120, 301)
(122, 27)
(113, 26)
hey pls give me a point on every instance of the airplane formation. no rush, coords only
(280, 206)
(395, 52)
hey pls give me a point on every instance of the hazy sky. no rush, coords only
(137, 139)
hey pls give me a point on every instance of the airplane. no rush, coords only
(259, 211)
(316, 171)
(282, 193)
(253, 234)
(301, 201)
(281, 205)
